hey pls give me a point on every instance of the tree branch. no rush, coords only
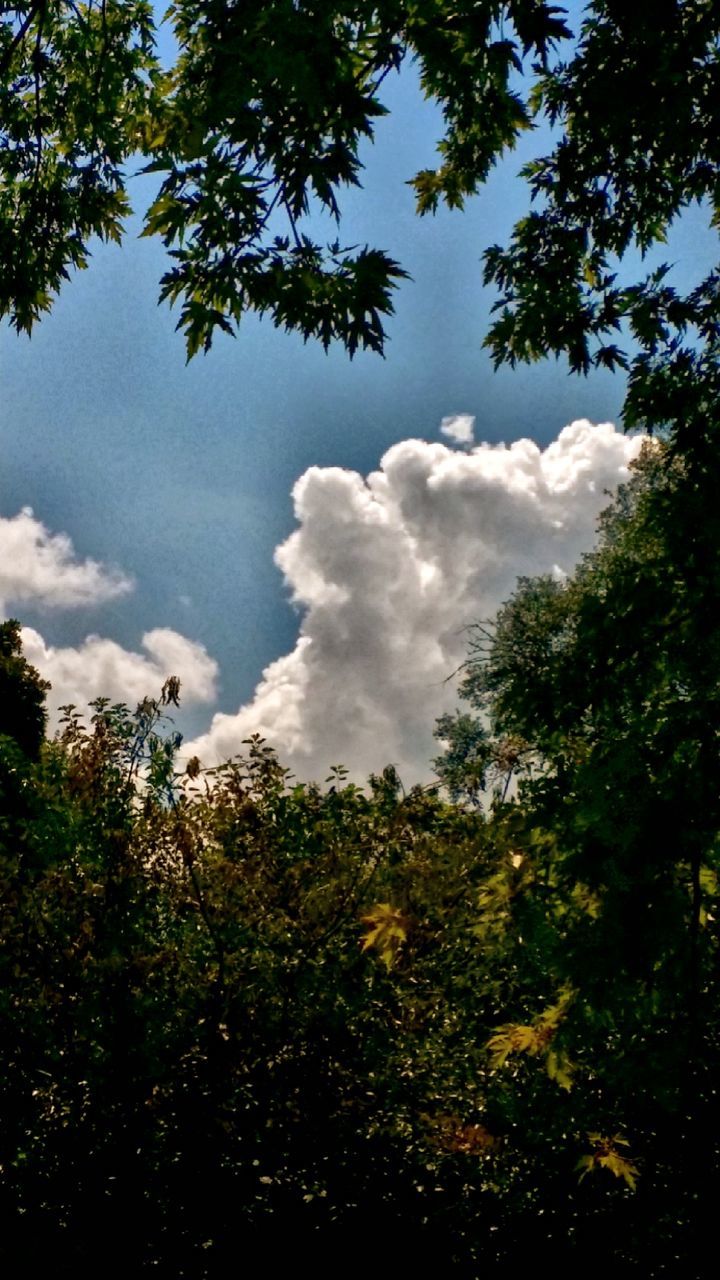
(37, 7)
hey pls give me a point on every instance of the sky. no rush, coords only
(299, 537)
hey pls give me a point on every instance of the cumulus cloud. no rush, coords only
(102, 668)
(460, 428)
(43, 569)
(40, 567)
(390, 568)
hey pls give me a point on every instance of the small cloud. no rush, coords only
(42, 568)
(459, 427)
(102, 668)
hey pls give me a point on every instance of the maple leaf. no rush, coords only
(536, 1039)
(387, 932)
(512, 1038)
(607, 1156)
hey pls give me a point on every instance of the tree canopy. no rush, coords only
(22, 694)
(260, 120)
(600, 694)
(235, 1008)
(227, 1013)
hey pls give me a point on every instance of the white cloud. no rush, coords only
(37, 566)
(102, 668)
(390, 568)
(460, 428)
(41, 568)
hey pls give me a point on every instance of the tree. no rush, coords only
(259, 120)
(22, 694)
(237, 1014)
(636, 108)
(74, 82)
(259, 123)
(233, 1007)
(606, 684)
(240, 1014)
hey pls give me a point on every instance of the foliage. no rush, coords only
(22, 694)
(607, 1156)
(463, 766)
(259, 124)
(264, 116)
(236, 1010)
(230, 1003)
(607, 681)
(636, 113)
(387, 931)
(196, 1045)
(74, 83)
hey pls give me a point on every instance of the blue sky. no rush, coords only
(181, 475)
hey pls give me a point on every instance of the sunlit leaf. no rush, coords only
(386, 933)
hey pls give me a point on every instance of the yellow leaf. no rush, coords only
(621, 1167)
(536, 1039)
(607, 1156)
(387, 932)
(559, 1069)
(587, 900)
(590, 275)
(513, 1038)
